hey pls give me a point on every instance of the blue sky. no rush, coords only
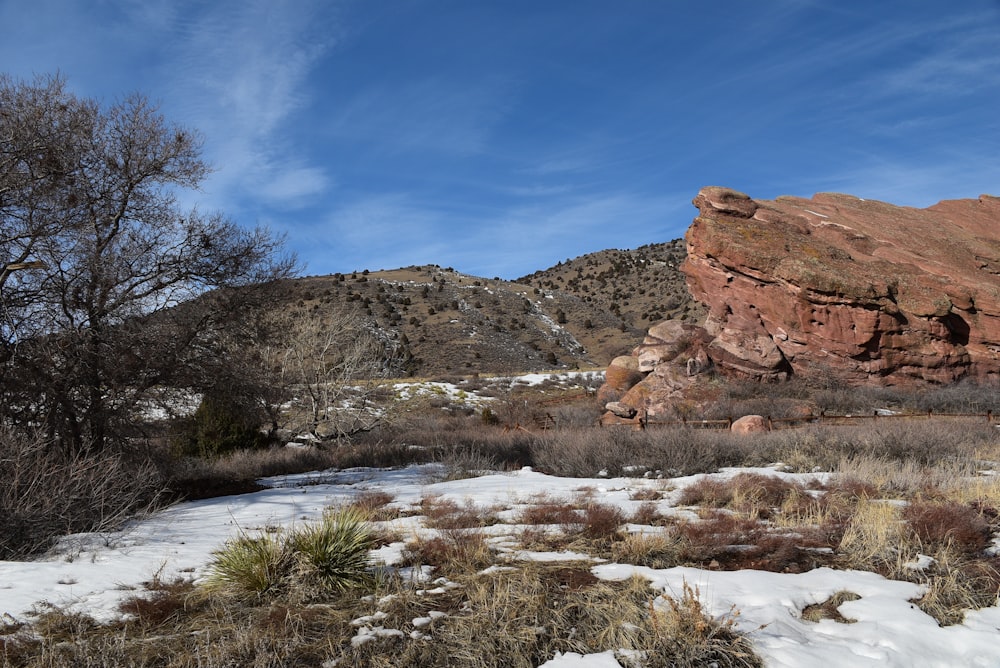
(499, 137)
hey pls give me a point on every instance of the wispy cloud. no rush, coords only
(917, 183)
(240, 72)
(391, 230)
(435, 114)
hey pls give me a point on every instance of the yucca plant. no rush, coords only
(334, 553)
(249, 567)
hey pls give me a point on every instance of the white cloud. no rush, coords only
(239, 71)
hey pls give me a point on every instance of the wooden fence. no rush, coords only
(823, 418)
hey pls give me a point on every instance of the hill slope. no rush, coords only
(577, 314)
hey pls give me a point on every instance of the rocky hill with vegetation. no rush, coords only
(579, 314)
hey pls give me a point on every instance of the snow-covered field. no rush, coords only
(94, 573)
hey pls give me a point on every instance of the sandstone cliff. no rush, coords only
(863, 289)
(839, 287)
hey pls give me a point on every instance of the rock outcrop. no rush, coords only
(857, 289)
(832, 287)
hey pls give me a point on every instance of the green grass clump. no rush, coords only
(309, 562)
(249, 567)
(334, 553)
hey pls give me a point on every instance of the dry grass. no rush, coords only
(829, 609)
(656, 550)
(752, 494)
(447, 514)
(684, 635)
(452, 552)
(517, 618)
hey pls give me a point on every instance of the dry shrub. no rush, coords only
(948, 523)
(164, 603)
(902, 479)
(621, 452)
(373, 504)
(648, 513)
(47, 493)
(709, 492)
(192, 478)
(583, 517)
(466, 443)
(461, 462)
(718, 534)
(829, 609)
(921, 442)
(601, 522)
(454, 551)
(729, 542)
(543, 510)
(447, 514)
(751, 493)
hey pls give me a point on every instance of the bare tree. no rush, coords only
(333, 364)
(90, 195)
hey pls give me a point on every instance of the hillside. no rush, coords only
(580, 313)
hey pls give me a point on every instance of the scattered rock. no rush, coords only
(620, 409)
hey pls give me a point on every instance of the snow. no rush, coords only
(94, 573)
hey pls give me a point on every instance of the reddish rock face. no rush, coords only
(844, 287)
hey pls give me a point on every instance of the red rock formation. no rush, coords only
(859, 289)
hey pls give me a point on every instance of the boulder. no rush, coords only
(620, 409)
(749, 424)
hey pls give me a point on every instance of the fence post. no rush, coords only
(989, 417)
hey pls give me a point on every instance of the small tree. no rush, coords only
(222, 424)
(333, 363)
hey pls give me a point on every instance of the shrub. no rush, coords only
(601, 522)
(333, 555)
(751, 493)
(948, 523)
(219, 426)
(447, 514)
(313, 561)
(47, 493)
(250, 567)
(454, 551)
